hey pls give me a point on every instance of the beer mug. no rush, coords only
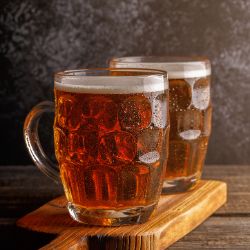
(190, 115)
(111, 140)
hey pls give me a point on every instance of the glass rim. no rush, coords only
(177, 67)
(147, 71)
(99, 80)
(162, 59)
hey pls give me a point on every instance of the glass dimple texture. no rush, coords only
(117, 147)
(111, 157)
(82, 146)
(190, 126)
(180, 95)
(160, 111)
(148, 140)
(201, 94)
(59, 139)
(68, 112)
(101, 111)
(135, 113)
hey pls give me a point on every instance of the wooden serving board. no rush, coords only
(175, 216)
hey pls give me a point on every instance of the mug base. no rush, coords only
(109, 217)
(181, 184)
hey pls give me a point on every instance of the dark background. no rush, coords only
(38, 38)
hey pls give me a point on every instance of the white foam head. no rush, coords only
(176, 67)
(82, 81)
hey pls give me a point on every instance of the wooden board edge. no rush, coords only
(56, 203)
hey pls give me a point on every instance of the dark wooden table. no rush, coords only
(24, 188)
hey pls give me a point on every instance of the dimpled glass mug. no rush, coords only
(190, 115)
(111, 140)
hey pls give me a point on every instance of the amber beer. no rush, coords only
(111, 143)
(190, 115)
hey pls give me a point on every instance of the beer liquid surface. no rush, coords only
(190, 126)
(111, 148)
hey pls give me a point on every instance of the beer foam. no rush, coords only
(112, 84)
(177, 68)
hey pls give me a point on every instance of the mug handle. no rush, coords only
(32, 141)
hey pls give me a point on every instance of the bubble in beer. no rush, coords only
(198, 146)
(116, 147)
(155, 175)
(133, 182)
(179, 94)
(207, 117)
(179, 161)
(135, 113)
(149, 139)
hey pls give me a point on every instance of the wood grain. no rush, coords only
(175, 216)
(218, 233)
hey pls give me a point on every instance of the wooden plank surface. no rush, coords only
(176, 215)
(218, 233)
(24, 188)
